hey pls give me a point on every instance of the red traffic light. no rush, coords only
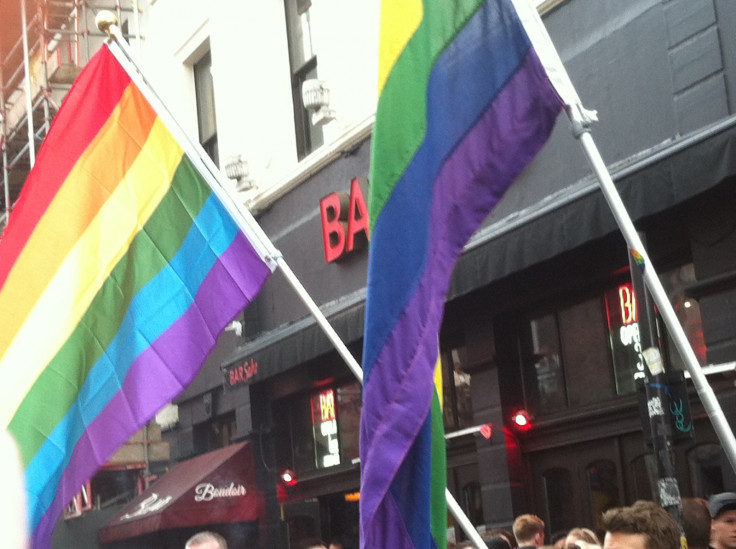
(288, 477)
(522, 420)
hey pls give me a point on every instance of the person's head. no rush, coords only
(696, 522)
(644, 525)
(558, 539)
(206, 540)
(529, 530)
(581, 534)
(722, 509)
(497, 542)
(507, 535)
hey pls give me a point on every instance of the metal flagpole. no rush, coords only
(212, 175)
(581, 119)
(27, 86)
(581, 130)
(106, 22)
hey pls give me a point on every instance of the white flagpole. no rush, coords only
(705, 391)
(581, 119)
(107, 22)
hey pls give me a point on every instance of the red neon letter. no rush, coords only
(357, 215)
(333, 230)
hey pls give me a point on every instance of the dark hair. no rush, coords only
(646, 518)
(696, 522)
(497, 542)
(508, 535)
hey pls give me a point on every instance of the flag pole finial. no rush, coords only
(105, 20)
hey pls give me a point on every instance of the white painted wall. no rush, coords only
(250, 67)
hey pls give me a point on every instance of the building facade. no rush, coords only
(541, 315)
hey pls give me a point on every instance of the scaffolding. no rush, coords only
(48, 44)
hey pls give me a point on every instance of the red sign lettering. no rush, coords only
(327, 405)
(243, 372)
(627, 301)
(344, 222)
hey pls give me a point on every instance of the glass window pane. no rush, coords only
(687, 310)
(349, 403)
(585, 351)
(205, 94)
(457, 403)
(302, 436)
(546, 382)
(624, 339)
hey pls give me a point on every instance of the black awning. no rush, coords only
(214, 488)
(288, 346)
(580, 213)
(570, 218)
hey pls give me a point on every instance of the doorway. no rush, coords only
(574, 485)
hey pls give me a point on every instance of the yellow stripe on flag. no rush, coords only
(75, 284)
(399, 20)
(48, 245)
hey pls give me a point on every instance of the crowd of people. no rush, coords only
(706, 524)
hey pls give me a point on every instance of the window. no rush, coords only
(324, 428)
(82, 502)
(643, 469)
(205, 95)
(595, 343)
(457, 404)
(565, 345)
(303, 62)
(705, 462)
(214, 434)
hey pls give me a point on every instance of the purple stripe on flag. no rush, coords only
(234, 280)
(472, 181)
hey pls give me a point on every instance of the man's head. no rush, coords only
(529, 530)
(644, 525)
(722, 509)
(696, 523)
(206, 540)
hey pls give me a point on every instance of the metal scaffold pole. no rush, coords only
(27, 85)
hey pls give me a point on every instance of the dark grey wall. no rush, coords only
(654, 70)
(293, 224)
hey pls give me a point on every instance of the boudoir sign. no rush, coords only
(206, 491)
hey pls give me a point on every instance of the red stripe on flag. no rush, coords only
(62, 150)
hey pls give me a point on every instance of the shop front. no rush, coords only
(215, 491)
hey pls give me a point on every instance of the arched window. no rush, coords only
(706, 474)
(603, 488)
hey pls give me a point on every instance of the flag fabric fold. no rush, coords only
(118, 270)
(464, 105)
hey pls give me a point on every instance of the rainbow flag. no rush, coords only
(464, 106)
(118, 270)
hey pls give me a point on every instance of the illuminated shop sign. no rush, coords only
(241, 373)
(324, 427)
(623, 334)
(344, 222)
